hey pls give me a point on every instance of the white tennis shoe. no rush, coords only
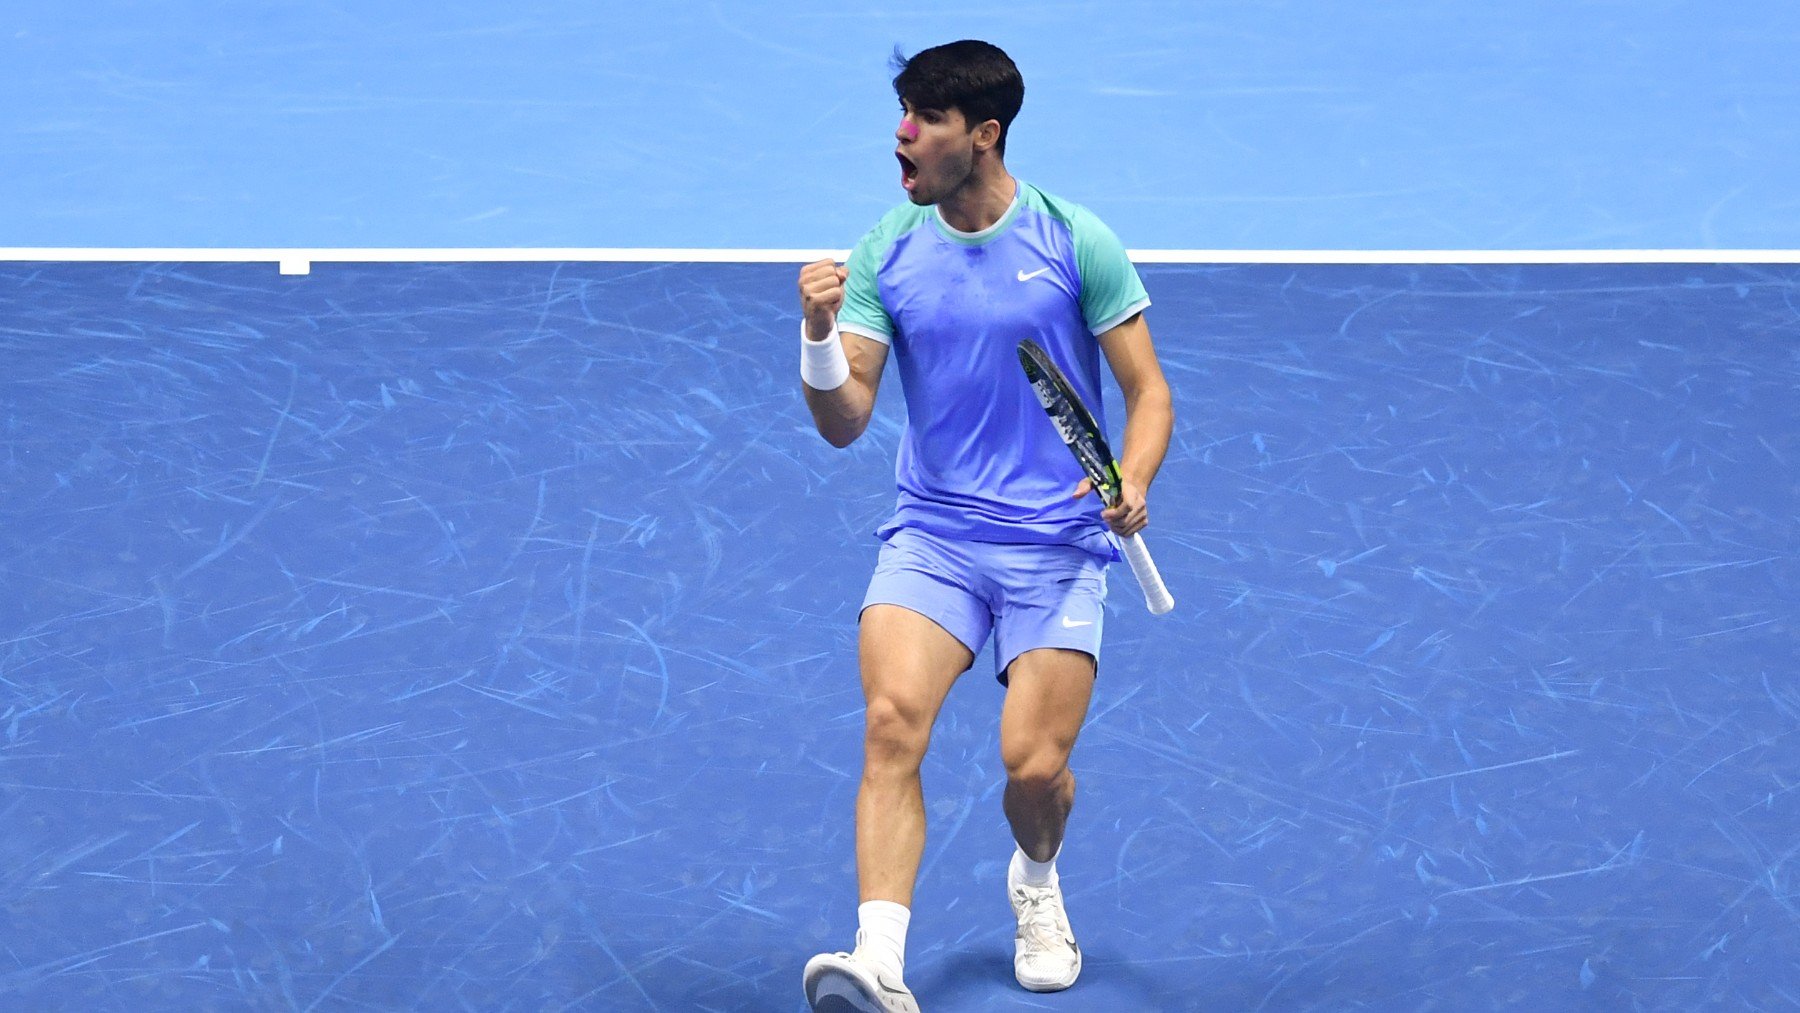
(1045, 957)
(851, 983)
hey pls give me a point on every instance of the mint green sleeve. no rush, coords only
(1111, 290)
(862, 312)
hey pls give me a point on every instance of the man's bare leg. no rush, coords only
(909, 664)
(1046, 702)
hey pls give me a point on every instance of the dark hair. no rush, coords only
(976, 78)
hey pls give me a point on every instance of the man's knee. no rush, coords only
(1037, 767)
(896, 734)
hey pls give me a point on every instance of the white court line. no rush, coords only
(299, 260)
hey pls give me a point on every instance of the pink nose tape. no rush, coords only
(909, 129)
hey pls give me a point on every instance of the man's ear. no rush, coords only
(987, 135)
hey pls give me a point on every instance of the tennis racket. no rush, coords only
(1076, 425)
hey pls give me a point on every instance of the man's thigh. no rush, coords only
(1047, 698)
(908, 661)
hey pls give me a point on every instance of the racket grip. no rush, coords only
(1156, 594)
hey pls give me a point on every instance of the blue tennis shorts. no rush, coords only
(1027, 596)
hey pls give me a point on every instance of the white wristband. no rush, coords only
(822, 363)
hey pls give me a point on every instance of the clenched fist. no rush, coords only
(821, 294)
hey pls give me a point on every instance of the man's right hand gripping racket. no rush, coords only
(1076, 425)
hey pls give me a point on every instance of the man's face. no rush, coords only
(936, 152)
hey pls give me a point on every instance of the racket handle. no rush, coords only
(1156, 594)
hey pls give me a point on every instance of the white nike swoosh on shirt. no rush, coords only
(1027, 277)
(1070, 624)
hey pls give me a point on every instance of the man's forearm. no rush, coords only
(840, 414)
(1149, 422)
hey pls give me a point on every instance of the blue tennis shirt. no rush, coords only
(979, 460)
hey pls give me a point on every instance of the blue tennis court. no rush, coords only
(481, 635)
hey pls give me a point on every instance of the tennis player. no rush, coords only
(992, 535)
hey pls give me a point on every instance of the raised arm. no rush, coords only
(839, 372)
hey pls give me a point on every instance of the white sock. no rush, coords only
(881, 933)
(1036, 874)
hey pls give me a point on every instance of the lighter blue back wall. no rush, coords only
(1307, 124)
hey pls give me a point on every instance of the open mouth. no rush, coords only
(909, 173)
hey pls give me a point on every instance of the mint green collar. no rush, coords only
(978, 238)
